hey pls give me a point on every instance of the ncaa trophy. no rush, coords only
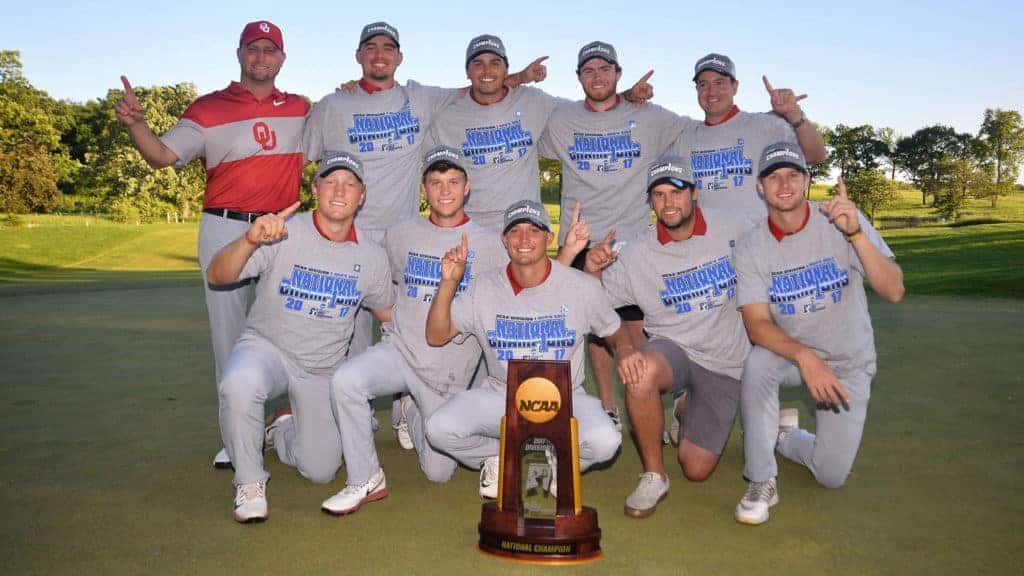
(539, 515)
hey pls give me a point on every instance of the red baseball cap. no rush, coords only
(258, 30)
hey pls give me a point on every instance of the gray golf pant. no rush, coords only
(257, 372)
(382, 371)
(468, 426)
(362, 330)
(829, 454)
(226, 306)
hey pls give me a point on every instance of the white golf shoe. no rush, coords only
(352, 498)
(760, 496)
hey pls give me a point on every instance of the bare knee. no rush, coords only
(696, 463)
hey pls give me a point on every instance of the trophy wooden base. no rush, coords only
(560, 540)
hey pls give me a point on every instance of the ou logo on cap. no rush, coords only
(265, 27)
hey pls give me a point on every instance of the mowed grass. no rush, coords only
(110, 421)
(48, 253)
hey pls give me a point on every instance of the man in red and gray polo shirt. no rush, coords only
(248, 137)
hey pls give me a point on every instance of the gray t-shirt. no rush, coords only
(499, 142)
(687, 291)
(605, 157)
(309, 291)
(386, 131)
(415, 249)
(724, 159)
(550, 321)
(813, 282)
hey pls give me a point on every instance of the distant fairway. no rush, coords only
(110, 423)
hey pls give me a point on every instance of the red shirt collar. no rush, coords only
(236, 89)
(465, 218)
(728, 116)
(351, 231)
(700, 227)
(592, 109)
(503, 94)
(369, 88)
(516, 286)
(779, 233)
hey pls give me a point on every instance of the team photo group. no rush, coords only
(738, 285)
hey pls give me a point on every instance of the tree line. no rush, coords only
(945, 165)
(69, 157)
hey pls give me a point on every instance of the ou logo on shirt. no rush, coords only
(264, 136)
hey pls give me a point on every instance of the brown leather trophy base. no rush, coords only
(539, 458)
(566, 540)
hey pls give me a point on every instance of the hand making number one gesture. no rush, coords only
(537, 71)
(270, 228)
(128, 109)
(785, 102)
(642, 91)
(602, 254)
(453, 265)
(841, 211)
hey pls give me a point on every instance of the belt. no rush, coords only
(225, 213)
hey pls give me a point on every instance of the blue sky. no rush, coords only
(900, 64)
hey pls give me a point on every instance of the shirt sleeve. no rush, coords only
(549, 103)
(381, 293)
(875, 239)
(187, 139)
(752, 284)
(778, 129)
(604, 321)
(312, 144)
(617, 286)
(669, 127)
(432, 99)
(260, 261)
(462, 310)
(546, 146)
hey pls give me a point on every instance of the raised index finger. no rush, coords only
(609, 238)
(576, 212)
(647, 76)
(128, 92)
(539, 60)
(841, 187)
(289, 210)
(767, 84)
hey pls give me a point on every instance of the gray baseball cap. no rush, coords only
(717, 62)
(340, 160)
(597, 49)
(781, 154)
(377, 29)
(443, 153)
(485, 43)
(671, 169)
(527, 211)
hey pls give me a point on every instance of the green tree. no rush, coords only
(855, 148)
(958, 180)
(822, 170)
(1001, 145)
(117, 177)
(870, 190)
(887, 136)
(550, 180)
(32, 160)
(921, 154)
